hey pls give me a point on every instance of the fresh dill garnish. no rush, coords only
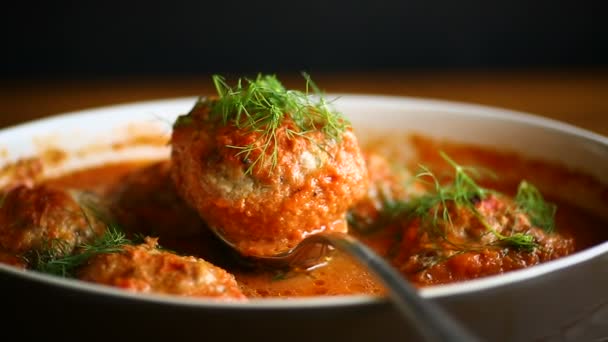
(462, 192)
(530, 201)
(260, 105)
(54, 256)
(520, 241)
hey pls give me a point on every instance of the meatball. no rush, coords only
(146, 202)
(145, 268)
(32, 219)
(465, 248)
(264, 195)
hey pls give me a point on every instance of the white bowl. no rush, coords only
(565, 299)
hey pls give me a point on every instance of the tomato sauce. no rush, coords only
(341, 275)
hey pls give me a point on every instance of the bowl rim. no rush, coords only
(412, 104)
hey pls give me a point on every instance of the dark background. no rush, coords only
(58, 39)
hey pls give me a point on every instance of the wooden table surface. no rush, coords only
(579, 97)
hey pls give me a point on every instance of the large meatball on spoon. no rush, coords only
(266, 166)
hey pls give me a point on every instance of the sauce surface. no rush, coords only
(577, 227)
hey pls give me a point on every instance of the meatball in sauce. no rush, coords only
(33, 219)
(146, 269)
(266, 186)
(468, 249)
(263, 167)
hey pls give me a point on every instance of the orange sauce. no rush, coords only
(341, 275)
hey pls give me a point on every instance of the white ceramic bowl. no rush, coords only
(562, 300)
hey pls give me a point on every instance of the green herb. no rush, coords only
(530, 201)
(55, 258)
(521, 241)
(433, 208)
(260, 105)
(463, 191)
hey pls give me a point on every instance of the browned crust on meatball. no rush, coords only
(146, 269)
(146, 202)
(32, 218)
(272, 208)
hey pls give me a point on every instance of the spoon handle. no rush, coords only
(431, 320)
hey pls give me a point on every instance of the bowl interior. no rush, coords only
(91, 137)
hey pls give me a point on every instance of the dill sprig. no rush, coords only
(433, 208)
(260, 105)
(264, 102)
(530, 201)
(463, 191)
(54, 256)
(520, 241)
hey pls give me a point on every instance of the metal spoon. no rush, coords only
(433, 323)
